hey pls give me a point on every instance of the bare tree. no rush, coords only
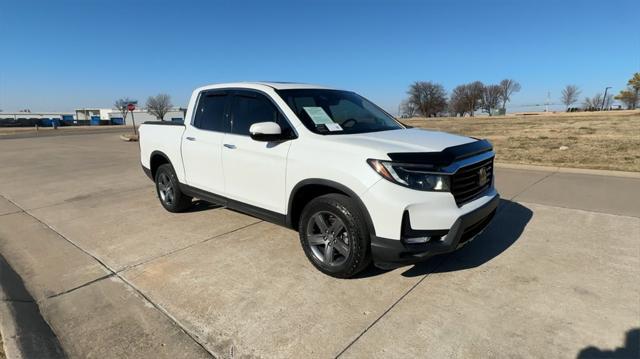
(429, 98)
(467, 98)
(593, 103)
(509, 86)
(491, 96)
(408, 109)
(159, 105)
(457, 105)
(570, 95)
(122, 104)
(473, 96)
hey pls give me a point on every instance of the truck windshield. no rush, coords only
(333, 112)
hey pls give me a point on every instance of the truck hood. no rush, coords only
(404, 140)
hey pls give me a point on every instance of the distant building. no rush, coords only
(85, 114)
(82, 117)
(142, 116)
(29, 119)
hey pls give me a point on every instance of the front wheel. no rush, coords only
(168, 189)
(334, 236)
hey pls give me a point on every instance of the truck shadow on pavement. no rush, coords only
(29, 336)
(502, 232)
(200, 205)
(505, 229)
(631, 349)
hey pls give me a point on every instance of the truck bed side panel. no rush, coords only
(165, 139)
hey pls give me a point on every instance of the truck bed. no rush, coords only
(164, 137)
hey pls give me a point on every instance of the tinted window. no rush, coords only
(210, 114)
(249, 108)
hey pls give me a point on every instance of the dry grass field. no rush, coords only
(596, 140)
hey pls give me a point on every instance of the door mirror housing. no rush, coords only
(266, 132)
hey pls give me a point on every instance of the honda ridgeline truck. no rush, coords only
(356, 184)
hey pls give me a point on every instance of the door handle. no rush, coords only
(229, 146)
(190, 138)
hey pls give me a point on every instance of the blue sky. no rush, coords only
(60, 55)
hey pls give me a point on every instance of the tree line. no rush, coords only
(430, 99)
(629, 96)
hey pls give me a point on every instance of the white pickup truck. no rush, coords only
(356, 184)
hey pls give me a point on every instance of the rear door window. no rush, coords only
(211, 113)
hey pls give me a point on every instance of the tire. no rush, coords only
(334, 221)
(168, 190)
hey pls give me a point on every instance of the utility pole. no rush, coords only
(546, 104)
(604, 99)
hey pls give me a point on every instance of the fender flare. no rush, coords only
(154, 154)
(337, 186)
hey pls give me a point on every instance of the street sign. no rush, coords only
(131, 107)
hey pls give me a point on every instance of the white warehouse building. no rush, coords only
(141, 116)
(84, 117)
(114, 117)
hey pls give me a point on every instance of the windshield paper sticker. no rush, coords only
(333, 127)
(318, 116)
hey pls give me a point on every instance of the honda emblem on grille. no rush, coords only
(483, 178)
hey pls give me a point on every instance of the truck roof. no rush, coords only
(262, 84)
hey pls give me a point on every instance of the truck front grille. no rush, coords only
(471, 181)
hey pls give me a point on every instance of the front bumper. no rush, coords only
(391, 253)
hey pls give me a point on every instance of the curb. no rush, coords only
(583, 171)
(25, 333)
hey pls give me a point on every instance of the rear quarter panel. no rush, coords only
(165, 139)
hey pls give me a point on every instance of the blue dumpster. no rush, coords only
(67, 120)
(177, 119)
(95, 121)
(45, 122)
(117, 120)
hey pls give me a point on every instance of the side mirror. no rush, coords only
(266, 131)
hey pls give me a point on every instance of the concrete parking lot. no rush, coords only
(114, 275)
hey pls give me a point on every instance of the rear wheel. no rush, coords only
(334, 236)
(168, 189)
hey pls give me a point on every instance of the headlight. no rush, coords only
(420, 177)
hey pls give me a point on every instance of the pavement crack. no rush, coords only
(533, 184)
(392, 306)
(73, 199)
(175, 321)
(113, 272)
(81, 286)
(184, 248)
(10, 213)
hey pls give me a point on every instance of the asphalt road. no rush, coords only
(7, 133)
(114, 275)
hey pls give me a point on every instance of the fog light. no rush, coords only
(417, 240)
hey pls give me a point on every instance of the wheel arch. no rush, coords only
(306, 190)
(157, 159)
